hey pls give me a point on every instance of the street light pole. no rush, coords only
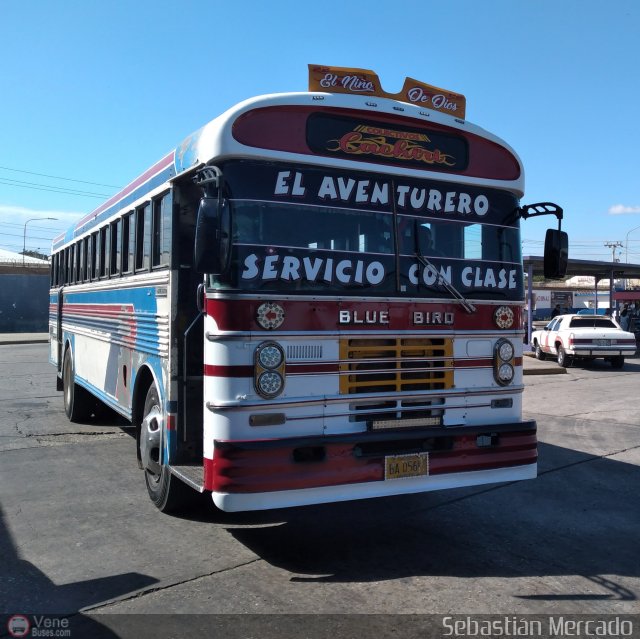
(24, 234)
(626, 250)
(626, 243)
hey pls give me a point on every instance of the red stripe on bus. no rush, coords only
(319, 315)
(213, 370)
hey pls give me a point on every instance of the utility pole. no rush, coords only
(613, 246)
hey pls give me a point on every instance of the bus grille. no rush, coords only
(386, 365)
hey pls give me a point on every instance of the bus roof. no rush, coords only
(216, 139)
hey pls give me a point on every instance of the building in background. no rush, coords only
(24, 293)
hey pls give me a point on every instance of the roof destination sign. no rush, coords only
(366, 82)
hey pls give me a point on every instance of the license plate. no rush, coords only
(602, 342)
(401, 466)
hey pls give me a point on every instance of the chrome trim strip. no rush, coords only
(338, 399)
(445, 333)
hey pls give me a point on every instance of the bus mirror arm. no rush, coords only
(541, 208)
(556, 242)
(212, 245)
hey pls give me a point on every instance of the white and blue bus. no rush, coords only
(315, 297)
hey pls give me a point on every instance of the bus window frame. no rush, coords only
(115, 248)
(103, 267)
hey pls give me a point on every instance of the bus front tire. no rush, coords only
(167, 492)
(77, 400)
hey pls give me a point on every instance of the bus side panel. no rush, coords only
(113, 334)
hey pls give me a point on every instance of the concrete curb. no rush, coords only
(24, 338)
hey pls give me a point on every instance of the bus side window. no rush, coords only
(94, 256)
(143, 237)
(72, 257)
(116, 243)
(81, 261)
(104, 251)
(127, 245)
(161, 231)
(86, 265)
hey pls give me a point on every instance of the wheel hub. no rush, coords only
(150, 440)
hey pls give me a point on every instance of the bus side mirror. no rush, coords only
(556, 254)
(212, 248)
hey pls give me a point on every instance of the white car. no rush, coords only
(583, 336)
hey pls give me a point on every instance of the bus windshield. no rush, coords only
(314, 231)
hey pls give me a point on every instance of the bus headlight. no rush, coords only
(505, 351)
(269, 370)
(503, 362)
(505, 374)
(270, 384)
(270, 356)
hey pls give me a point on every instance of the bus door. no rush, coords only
(57, 347)
(189, 326)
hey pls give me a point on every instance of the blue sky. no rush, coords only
(97, 92)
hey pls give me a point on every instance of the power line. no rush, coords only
(20, 225)
(54, 189)
(31, 237)
(57, 177)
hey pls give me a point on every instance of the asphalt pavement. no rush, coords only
(80, 538)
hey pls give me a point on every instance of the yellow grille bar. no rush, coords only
(386, 365)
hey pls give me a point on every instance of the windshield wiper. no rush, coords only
(465, 303)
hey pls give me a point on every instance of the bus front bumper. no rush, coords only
(276, 473)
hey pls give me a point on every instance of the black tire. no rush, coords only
(617, 362)
(563, 358)
(539, 354)
(167, 492)
(78, 402)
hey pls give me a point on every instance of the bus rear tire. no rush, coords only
(167, 492)
(77, 400)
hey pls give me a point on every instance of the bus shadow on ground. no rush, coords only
(26, 590)
(578, 518)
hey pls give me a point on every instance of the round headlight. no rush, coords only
(270, 356)
(505, 373)
(505, 351)
(270, 384)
